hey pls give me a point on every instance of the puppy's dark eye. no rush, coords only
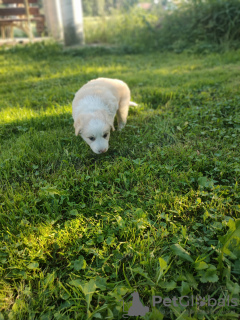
(91, 138)
(105, 135)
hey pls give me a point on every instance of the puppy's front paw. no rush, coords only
(121, 126)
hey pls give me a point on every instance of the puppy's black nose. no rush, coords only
(102, 151)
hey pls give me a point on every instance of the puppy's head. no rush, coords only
(95, 131)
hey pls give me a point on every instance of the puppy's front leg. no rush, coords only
(122, 114)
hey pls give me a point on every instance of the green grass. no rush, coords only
(158, 213)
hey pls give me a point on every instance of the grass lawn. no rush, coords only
(157, 214)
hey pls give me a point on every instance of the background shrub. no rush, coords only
(213, 22)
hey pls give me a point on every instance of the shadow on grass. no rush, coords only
(137, 123)
(17, 128)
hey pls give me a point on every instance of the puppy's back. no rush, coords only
(104, 88)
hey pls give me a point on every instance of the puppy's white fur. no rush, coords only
(94, 108)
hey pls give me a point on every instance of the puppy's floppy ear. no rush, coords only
(78, 126)
(111, 125)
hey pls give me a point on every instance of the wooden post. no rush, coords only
(28, 20)
(72, 18)
(52, 11)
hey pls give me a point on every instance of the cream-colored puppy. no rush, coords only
(94, 108)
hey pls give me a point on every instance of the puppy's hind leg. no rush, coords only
(122, 113)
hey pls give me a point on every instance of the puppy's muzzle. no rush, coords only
(102, 150)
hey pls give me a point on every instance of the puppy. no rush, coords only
(94, 108)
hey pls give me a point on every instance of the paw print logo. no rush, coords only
(201, 301)
(137, 308)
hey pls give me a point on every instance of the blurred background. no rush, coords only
(163, 24)
(134, 25)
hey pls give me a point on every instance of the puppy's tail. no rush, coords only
(133, 104)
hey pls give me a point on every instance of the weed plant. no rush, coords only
(158, 213)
